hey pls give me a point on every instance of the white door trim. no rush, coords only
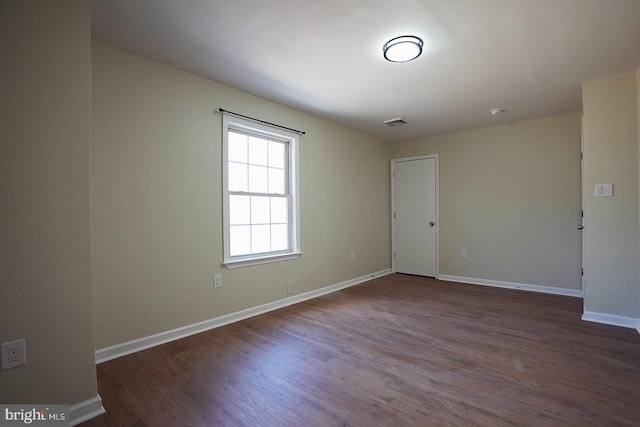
(582, 202)
(393, 208)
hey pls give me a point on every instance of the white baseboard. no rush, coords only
(118, 350)
(609, 319)
(511, 285)
(83, 411)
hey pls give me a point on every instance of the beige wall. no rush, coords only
(45, 263)
(509, 196)
(156, 201)
(612, 224)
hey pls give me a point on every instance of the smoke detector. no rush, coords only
(395, 122)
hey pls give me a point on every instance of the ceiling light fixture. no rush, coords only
(497, 111)
(403, 49)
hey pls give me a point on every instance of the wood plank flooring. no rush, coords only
(396, 351)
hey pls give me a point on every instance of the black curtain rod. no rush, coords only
(300, 132)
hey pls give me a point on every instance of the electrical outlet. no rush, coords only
(217, 281)
(289, 288)
(463, 254)
(353, 255)
(13, 354)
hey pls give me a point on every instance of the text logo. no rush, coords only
(36, 415)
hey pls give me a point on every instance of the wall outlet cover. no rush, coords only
(14, 354)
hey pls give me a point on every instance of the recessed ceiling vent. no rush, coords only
(395, 122)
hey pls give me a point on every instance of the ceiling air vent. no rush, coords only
(395, 122)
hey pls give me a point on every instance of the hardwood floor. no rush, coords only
(396, 351)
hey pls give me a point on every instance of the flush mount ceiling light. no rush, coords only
(403, 49)
(497, 111)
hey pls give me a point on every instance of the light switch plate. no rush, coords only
(604, 190)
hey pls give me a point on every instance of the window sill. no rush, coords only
(247, 262)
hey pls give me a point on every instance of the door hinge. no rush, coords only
(582, 214)
(581, 154)
(394, 214)
(582, 272)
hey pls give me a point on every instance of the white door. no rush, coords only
(415, 215)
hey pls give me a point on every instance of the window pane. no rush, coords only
(258, 151)
(279, 237)
(239, 240)
(258, 179)
(278, 210)
(239, 210)
(260, 239)
(260, 210)
(276, 181)
(276, 154)
(261, 202)
(237, 149)
(237, 177)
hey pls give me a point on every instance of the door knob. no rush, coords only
(580, 227)
(431, 224)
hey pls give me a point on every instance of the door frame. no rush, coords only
(437, 208)
(583, 190)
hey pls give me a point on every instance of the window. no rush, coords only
(260, 179)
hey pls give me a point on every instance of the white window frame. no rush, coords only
(291, 138)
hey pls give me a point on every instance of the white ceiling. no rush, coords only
(325, 56)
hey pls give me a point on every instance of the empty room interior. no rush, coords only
(259, 213)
